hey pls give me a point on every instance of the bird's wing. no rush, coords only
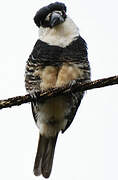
(76, 55)
(32, 76)
(32, 72)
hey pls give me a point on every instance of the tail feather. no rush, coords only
(47, 160)
(40, 152)
(44, 157)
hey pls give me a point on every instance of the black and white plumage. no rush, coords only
(58, 58)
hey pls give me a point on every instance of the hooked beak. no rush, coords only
(56, 19)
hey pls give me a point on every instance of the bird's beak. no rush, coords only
(56, 19)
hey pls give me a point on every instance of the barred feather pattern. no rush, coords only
(55, 62)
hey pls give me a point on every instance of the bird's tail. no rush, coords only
(44, 157)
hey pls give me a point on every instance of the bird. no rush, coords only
(59, 57)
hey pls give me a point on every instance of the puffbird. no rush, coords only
(59, 57)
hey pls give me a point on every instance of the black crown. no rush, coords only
(43, 12)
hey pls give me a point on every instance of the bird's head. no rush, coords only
(51, 15)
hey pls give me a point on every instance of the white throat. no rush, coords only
(61, 35)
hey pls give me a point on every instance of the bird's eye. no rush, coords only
(64, 13)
